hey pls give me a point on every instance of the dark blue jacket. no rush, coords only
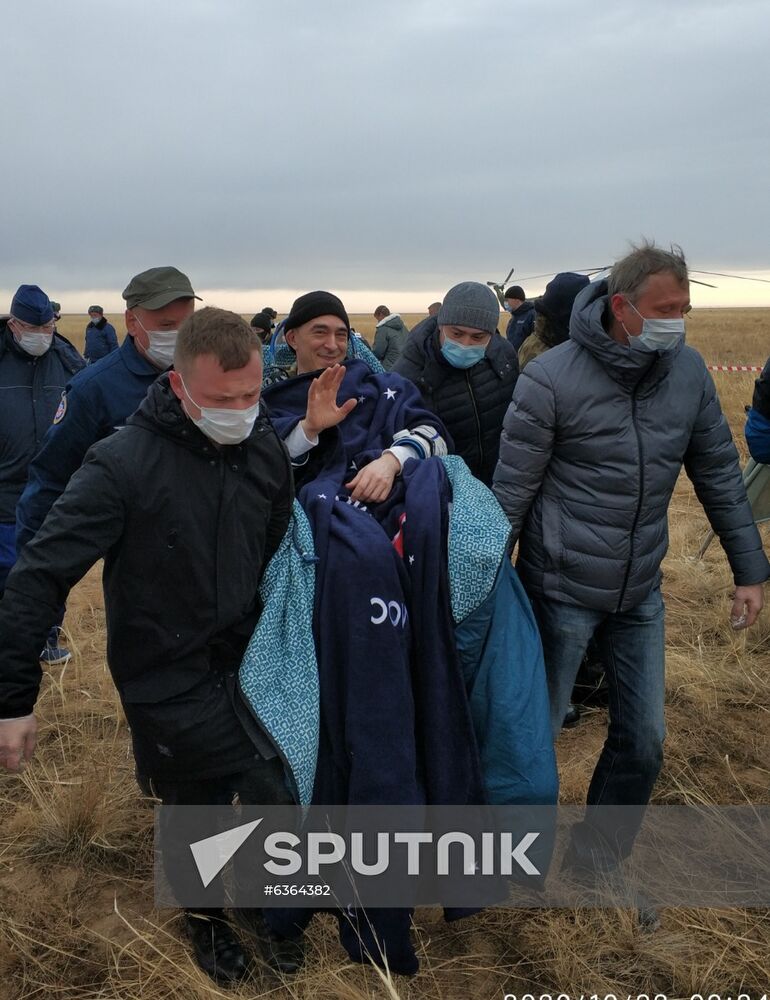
(96, 403)
(101, 340)
(758, 423)
(30, 390)
(521, 324)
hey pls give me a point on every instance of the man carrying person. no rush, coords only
(186, 505)
(593, 442)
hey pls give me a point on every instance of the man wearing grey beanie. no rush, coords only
(465, 371)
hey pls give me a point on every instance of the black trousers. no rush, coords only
(262, 783)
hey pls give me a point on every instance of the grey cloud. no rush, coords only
(392, 145)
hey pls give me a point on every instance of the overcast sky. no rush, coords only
(394, 147)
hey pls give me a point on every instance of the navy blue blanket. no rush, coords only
(395, 720)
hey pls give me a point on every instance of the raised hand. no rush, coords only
(322, 410)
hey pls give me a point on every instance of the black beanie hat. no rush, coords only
(515, 292)
(314, 304)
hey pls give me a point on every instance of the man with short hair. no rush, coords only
(389, 337)
(101, 338)
(186, 505)
(522, 312)
(99, 400)
(433, 308)
(35, 364)
(593, 443)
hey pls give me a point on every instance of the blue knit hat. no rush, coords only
(31, 305)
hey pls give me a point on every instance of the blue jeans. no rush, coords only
(632, 647)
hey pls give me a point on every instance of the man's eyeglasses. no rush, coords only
(23, 327)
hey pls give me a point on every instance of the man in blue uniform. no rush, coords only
(99, 400)
(101, 338)
(35, 364)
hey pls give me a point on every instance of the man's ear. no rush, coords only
(618, 303)
(291, 339)
(175, 381)
(130, 320)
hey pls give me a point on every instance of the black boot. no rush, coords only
(285, 955)
(572, 717)
(217, 950)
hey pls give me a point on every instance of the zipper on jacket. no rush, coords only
(640, 451)
(478, 420)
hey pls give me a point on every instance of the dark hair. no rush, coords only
(381, 312)
(220, 332)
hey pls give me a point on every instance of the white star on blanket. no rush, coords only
(390, 393)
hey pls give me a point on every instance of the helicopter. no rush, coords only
(499, 286)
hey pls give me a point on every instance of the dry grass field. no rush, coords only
(76, 907)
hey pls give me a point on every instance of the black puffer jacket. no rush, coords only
(471, 402)
(185, 529)
(593, 444)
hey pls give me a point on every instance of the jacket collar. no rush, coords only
(388, 318)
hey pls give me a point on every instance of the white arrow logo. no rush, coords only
(212, 854)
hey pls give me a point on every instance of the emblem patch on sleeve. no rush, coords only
(59, 415)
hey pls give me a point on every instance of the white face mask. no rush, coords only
(224, 426)
(161, 348)
(657, 334)
(35, 342)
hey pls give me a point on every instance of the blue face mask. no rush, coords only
(657, 334)
(507, 307)
(459, 356)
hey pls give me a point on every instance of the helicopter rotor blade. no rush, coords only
(722, 274)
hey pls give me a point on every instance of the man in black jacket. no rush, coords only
(186, 505)
(465, 372)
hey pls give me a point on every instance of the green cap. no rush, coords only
(155, 288)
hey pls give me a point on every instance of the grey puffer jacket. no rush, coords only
(592, 445)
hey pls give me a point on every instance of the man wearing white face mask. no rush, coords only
(100, 399)
(35, 365)
(186, 505)
(597, 433)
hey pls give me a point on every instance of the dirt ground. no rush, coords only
(76, 913)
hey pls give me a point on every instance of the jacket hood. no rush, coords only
(627, 366)
(392, 319)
